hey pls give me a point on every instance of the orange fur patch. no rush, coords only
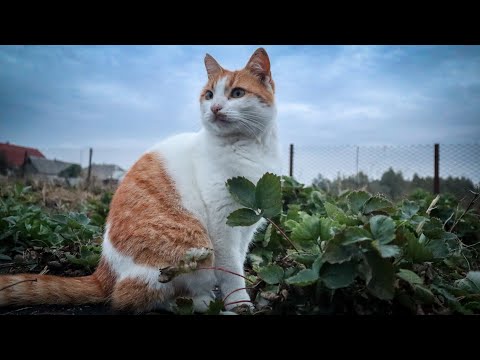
(146, 218)
(32, 289)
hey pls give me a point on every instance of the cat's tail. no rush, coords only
(31, 289)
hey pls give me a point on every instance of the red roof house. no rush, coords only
(15, 155)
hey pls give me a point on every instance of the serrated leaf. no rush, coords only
(382, 228)
(416, 251)
(305, 258)
(339, 215)
(378, 204)
(356, 200)
(215, 307)
(438, 248)
(267, 235)
(336, 253)
(386, 251)
(5, 257)
(260, 257)
(317, 264)
(271, 274)
(409, 276)
(184, 306)
(270, 292)
(433, 228)
(470, 283)
(381, 283)
(424, 294)
(336, 276)
(316, 199)
(243, 217)
(304, 277)
(306, 231)
(355, 234)
(243, 191)
(268, 195)
(326, 229)
(408, 209)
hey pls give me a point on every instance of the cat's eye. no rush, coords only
(208, 95)
(237, 93)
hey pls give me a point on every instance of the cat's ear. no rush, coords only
(212, 66)
(259, 65)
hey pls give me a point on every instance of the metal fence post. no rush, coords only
(436, 179)
(290, 172)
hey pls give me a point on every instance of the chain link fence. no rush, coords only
(331, 162)
(353, 166)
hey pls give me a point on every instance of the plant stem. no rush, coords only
(476, 195)
(225, 298)
(282, 233)
(238, 302)
(224, 270)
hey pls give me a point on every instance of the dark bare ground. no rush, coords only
(57, 310)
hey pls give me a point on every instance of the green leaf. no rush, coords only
(386, 250)
(378, 203)
(267, 235)
(339, 215)
(336, 276)
(215, 307)
(336, 253)
(381, 283)
(243, 191)
(408, 209)
(433, 229)
(304, 277)
(268, 195)
(326, 229)
(5, 257)
(271, 274)
(438, 248)
(383, 228)
(416, 251)
(355, 234)
(470, 283)
(306, 231)
(305, 258)
(259, 257)
(317, 264)
(184, 306)
(409, 276)
(356, 200)
(424, 294)
(243, 217)
(316, 199)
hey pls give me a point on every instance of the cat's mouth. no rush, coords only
(220, 118)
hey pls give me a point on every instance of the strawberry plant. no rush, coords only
(356, 253)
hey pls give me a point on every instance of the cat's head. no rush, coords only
(239, 102)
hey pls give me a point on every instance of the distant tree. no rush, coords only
(458, 186)
(322, 183)
(393, 183)
(72, 171)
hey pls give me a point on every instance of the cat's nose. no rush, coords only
(216, 108)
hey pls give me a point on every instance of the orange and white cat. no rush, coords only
(173, 203)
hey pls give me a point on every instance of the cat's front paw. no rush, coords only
(193, 255)
(187, 264)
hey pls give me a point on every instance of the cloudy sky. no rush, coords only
(122, 99)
